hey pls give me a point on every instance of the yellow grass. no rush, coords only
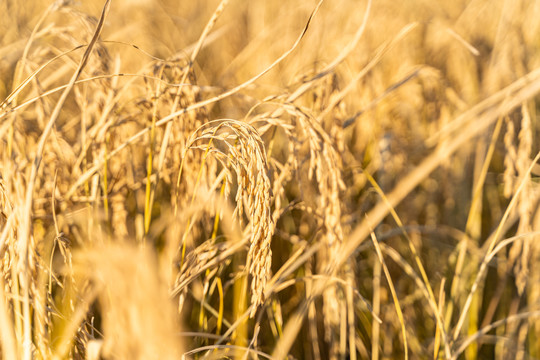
(232, 179)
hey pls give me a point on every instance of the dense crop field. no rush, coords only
(269, 179)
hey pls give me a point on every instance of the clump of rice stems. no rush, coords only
(326, 139)
(314, 159)
(167, 99)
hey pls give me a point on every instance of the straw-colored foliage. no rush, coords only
(269, 179)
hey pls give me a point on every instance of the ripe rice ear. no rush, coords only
(246, 155)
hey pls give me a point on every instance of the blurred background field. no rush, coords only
(372, 194)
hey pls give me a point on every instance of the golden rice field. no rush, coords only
(269, 179)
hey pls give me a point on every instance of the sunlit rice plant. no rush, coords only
(269, 179)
